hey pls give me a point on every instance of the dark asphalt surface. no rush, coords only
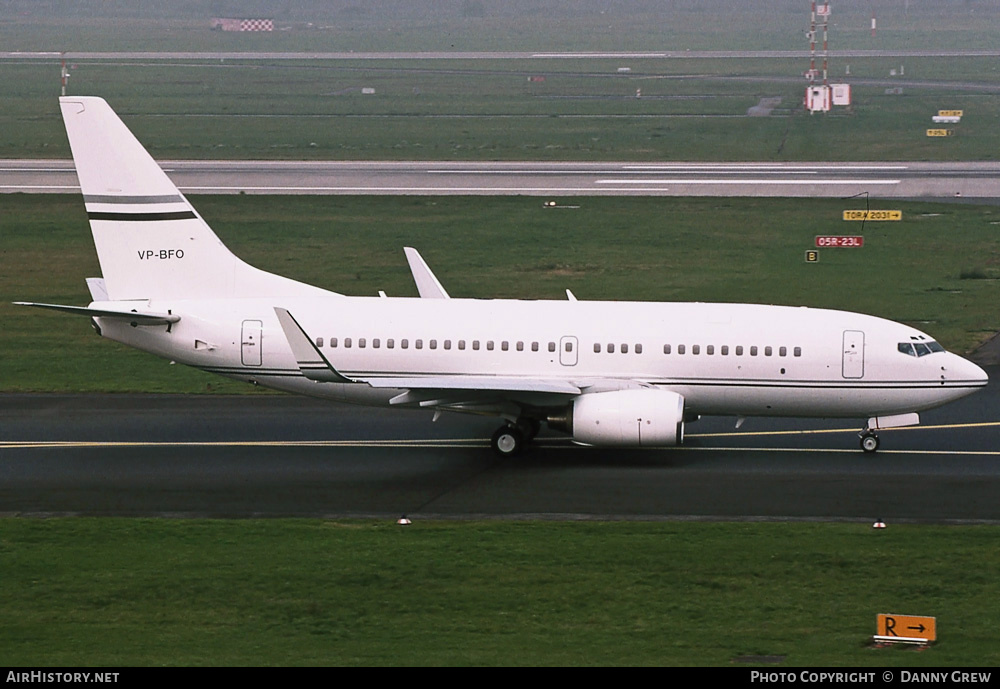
(276, 456)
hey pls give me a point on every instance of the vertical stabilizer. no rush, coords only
(150, 241)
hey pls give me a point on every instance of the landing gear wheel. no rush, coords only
(529, 427)
(507, 441)
(869, 441)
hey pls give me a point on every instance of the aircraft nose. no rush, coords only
(962, 369)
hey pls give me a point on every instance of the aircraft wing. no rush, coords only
(313, 364)
(458, 392)
(428, 285)
(487, 394)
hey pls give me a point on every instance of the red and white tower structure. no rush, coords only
(818, 92)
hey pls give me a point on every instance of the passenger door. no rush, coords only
(250, 350)
(854, 354)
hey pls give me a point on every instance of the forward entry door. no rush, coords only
(854, 354)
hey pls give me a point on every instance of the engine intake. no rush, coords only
(626, 418)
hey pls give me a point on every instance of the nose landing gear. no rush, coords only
(869, 440)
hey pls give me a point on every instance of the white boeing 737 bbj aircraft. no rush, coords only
(626, 374)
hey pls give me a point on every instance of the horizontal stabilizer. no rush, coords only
(310, 359)
(135, 317)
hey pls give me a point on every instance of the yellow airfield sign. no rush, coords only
(873, 215)
(949, 113)
(905, 628)
(940, 132)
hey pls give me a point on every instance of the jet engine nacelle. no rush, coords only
(629, 418)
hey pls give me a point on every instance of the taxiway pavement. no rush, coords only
(275, 456)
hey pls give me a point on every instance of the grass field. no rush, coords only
(585, 109)
(106, 592)
(475, 25)
(489, 110)
(936, 269)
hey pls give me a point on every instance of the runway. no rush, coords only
(910, 180)
(276, 456)
(481, 55)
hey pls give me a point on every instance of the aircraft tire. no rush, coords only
(529, 427)
(508, 441)
(869, 442)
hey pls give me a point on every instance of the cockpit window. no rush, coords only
(919, 349)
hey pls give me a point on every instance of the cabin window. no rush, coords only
(333, 341)
(390, 343)
(552, 346)
(710, 350)
(611, 348)
(504, 345)
(597, 348)
(724, 350)
(696, 349)
(753, 350)
(768, 351)
(376, 343)
(419, 344)
(638, 349)
(666, 349)
(362, 342)
(461, 345)
(520, 346)
(433, 344)
(475, 345)
(489, 345)
(680, 349)
(319, 341)
(534, 346)
(797, 351)
(624, 348)
(404, 344)
(447, 344)
(739, 350)
(347, 342)
(782, 351)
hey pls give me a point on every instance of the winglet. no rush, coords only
(427, 284)
(310, 359)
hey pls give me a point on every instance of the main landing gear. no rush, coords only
(511, 438)
(869, 440)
